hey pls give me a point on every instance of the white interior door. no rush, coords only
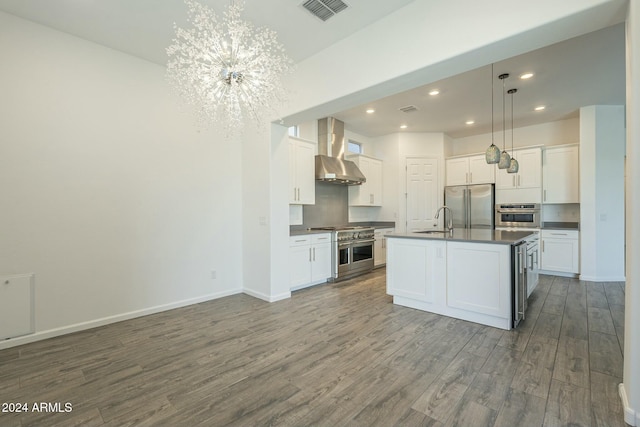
(423, 192)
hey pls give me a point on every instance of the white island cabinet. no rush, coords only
(466, 275)
(417, 270)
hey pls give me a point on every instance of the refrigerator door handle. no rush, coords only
(465, 200)
(469, 208)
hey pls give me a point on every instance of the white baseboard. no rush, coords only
(50, 333)
(602, 278)
(558, 273)
(267, 298)
(631, 417)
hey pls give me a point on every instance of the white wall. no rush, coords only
(552, 133)
(602, 150)
(110, 195)
(394, 149)
(630, 389)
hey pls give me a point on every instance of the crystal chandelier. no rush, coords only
(227, 69)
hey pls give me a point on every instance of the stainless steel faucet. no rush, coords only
(450, 222)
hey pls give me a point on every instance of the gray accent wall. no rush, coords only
(331, 208)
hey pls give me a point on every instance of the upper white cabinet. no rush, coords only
(302, 186)
(524, 186)
(469, 170)
(561, 175)
(529, 174)
(370, 192)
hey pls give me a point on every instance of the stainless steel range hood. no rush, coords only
(330, 163)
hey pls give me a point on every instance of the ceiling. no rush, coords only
(144, 28)
(587, 70)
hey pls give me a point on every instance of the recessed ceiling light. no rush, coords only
(469, 122)
(526, 76)
(434, 92)
(540, 108)
(370, 111)
(403, 126)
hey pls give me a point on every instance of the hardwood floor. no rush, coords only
(337, 354)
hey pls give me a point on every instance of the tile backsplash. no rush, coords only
(566, 212)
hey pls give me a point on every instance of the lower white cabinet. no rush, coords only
(380, 246)
(309, 260)
(560, 251)
(418, 271)
(16, 305)
(479, 278)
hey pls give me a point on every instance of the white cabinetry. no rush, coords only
(380, 246)
(479, 279)
(560, 251)
(16, 306)
(469, 170)
(302, 186)
(309, 260)
(470, 281)
(561, 175)
(370, 192)
(524, 186)
(418, 271)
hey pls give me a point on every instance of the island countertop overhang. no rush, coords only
(500, 237)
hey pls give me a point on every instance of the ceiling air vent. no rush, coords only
(324, 9)
(408, 109)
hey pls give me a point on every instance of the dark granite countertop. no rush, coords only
(299, 230)
(305, 232)
(472, 236)
(561, 225)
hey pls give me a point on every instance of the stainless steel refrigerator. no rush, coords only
(472, 206)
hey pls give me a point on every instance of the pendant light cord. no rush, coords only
(504, 130)
(492, 90)
(512, 122)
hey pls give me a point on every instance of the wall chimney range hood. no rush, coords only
(331, 166)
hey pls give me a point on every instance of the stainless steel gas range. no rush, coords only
(352, 251)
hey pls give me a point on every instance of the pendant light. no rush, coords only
(492, 155)
(505, 158)
(513, 166)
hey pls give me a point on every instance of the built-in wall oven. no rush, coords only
(525, 215)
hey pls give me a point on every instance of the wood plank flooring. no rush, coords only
(333, 355)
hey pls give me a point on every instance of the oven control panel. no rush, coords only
(345, 236)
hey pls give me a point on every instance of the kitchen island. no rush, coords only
(466, 274)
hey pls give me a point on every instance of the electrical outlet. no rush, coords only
(214, 274)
